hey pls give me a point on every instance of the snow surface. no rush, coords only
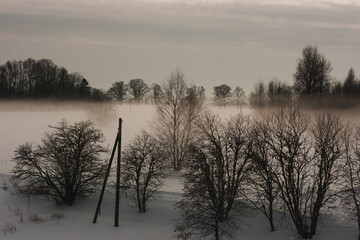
(28, 124)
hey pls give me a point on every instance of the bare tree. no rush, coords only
(312, 76)
(9, 76)
(350, 83)
(177, 111)
(67, 165)
(351, 183)
(262, 189)
(222, 93)
(138, 88)
(328, 138)
(239, 96)
(42, 79)
(213, 178)
(143, 168)
(306, 163)
(118, 90)
(29, 69)
(46, 78)
(258, 95)
(278, 93)
(156, 93)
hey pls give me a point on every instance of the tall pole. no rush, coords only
(117, 202)
(105, 179)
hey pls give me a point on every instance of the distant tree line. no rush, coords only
(223, 95)
(40, 79)
(274, 93)
(313, 84)
(135, 91)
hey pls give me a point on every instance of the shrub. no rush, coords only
(65, 166)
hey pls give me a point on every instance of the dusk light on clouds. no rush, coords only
(213, 42)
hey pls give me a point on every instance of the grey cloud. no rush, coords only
(240, 33)
(230, 23)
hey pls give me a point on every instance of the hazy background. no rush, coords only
(213, 41)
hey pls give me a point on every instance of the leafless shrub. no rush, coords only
(261, 188)
(144, 168)
(18, 212)
(214, 175)
(307, 157)
(33, 217)
(351, 174)
(9, 228)
(57, 216)
(67, 165)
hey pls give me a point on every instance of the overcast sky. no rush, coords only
(212, 41)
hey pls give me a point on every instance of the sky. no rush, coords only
(213, 42)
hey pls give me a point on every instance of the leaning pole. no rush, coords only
(107, 173)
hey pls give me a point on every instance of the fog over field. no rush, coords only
(28, 121)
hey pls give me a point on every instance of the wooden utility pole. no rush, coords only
(117, 201)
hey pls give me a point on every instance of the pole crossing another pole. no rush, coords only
(117, 201)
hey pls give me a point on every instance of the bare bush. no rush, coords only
(351, 183)
(18, 212)
(262, 189)
(9, 228)
(57, 216)
(144, 168)
(33, 217)
(67, 165)
(307, 158)
(214, 175)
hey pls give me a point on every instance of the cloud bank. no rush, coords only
(214, 42)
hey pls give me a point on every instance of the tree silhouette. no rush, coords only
(65, 166)
(213, 177)
(350, 84)
(137, 88)
(307, 162)
(144, 168)
(117, 91)
(222, 93)
(156, 93)
(312, 76)
(41, 79)
(177, 112)
(239, 95)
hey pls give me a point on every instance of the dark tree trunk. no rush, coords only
(217, 237)
(314, 219)
(271, 220)
(272, 227)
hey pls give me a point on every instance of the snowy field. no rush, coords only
(36, 218)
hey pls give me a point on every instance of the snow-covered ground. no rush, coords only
(157, 223)
(35, 217)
